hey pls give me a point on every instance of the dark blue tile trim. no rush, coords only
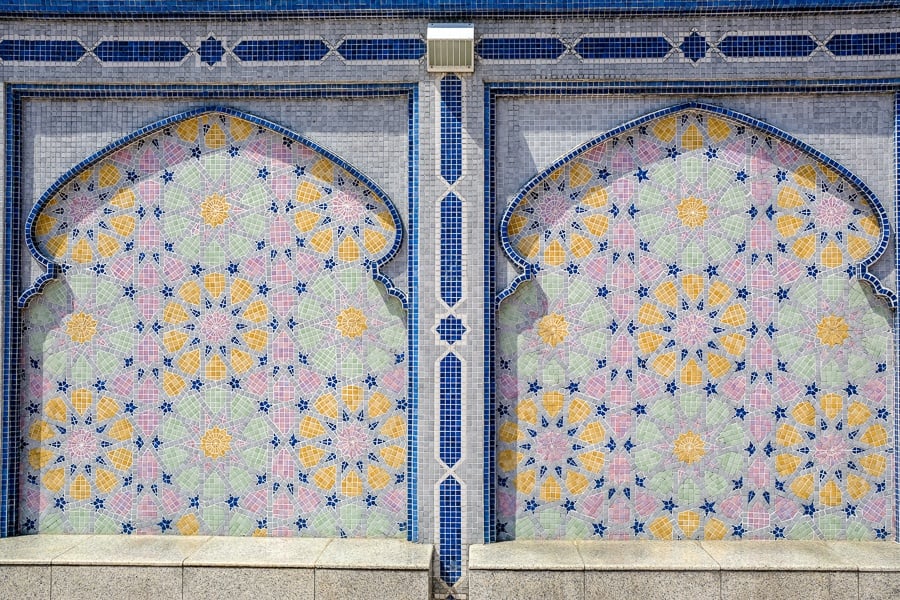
(141, 51)
(450, 545)
(451, 249)
(493, 91)
(41, 50)
(12, 326)
(623, 48)
(451, 128)
(272, 8)
(520, 48)
(412, 314)
(769, 46)
(864, 44)
(13, 238)
(450, 425)
(280, 50)
(382, 49)
(897, 329)
(488, 269)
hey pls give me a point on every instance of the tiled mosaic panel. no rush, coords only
(216, 357)
(692, 357)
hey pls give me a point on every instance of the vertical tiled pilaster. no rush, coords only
(450, 330)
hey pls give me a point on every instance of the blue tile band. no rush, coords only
(141, 51)
(520, 48)
(250, 8)
(768, 46)
(451, 249)
(382, 49)
(865, 44)
(451, 128)
(41, 50)
(623, 48)
(450, 546)
(451, 410)
(280, 50)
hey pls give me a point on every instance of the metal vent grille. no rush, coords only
(451, 48)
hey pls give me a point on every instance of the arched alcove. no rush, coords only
(213, 349)
(695, 348)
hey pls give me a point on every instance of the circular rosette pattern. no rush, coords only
(352, 449)
(80, 451)
(551, 452)
(830, 454)
(91, 219)
(215, 329)
(692, 330)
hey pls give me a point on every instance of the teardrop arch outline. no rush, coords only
(52, 269)
(529, 269)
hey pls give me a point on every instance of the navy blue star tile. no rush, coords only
(694, 47)
(211, 51)
(451, 329)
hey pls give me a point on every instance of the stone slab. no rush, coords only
(258, 552)
(25, 582)
(645, 555)
(137, 550)
(234, 583)
(115, 582)
(518, 584)
(869, 556)
(771, 585)
(526, 556)
(36, 549)
(345, 583)
(651, 585)
(776, 555)
(375, 554)
(879, 585)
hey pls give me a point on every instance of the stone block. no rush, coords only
(651, 585)
(115, 582)
(344, 584)
(519, 585)
(235, 583)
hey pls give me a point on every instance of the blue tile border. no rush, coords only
(17, 93)
(693, 47)
(897, 329)
(246, 9)
(494, 91)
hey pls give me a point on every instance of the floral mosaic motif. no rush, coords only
(216, 356)
(689, 353)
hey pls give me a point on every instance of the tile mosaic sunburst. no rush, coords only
(215, 356)
(693, 356)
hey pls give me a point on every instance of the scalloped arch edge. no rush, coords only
(861, 268)
(52, 269)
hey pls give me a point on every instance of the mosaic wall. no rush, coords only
(655, 377)
(215, 355)
(238, 334)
